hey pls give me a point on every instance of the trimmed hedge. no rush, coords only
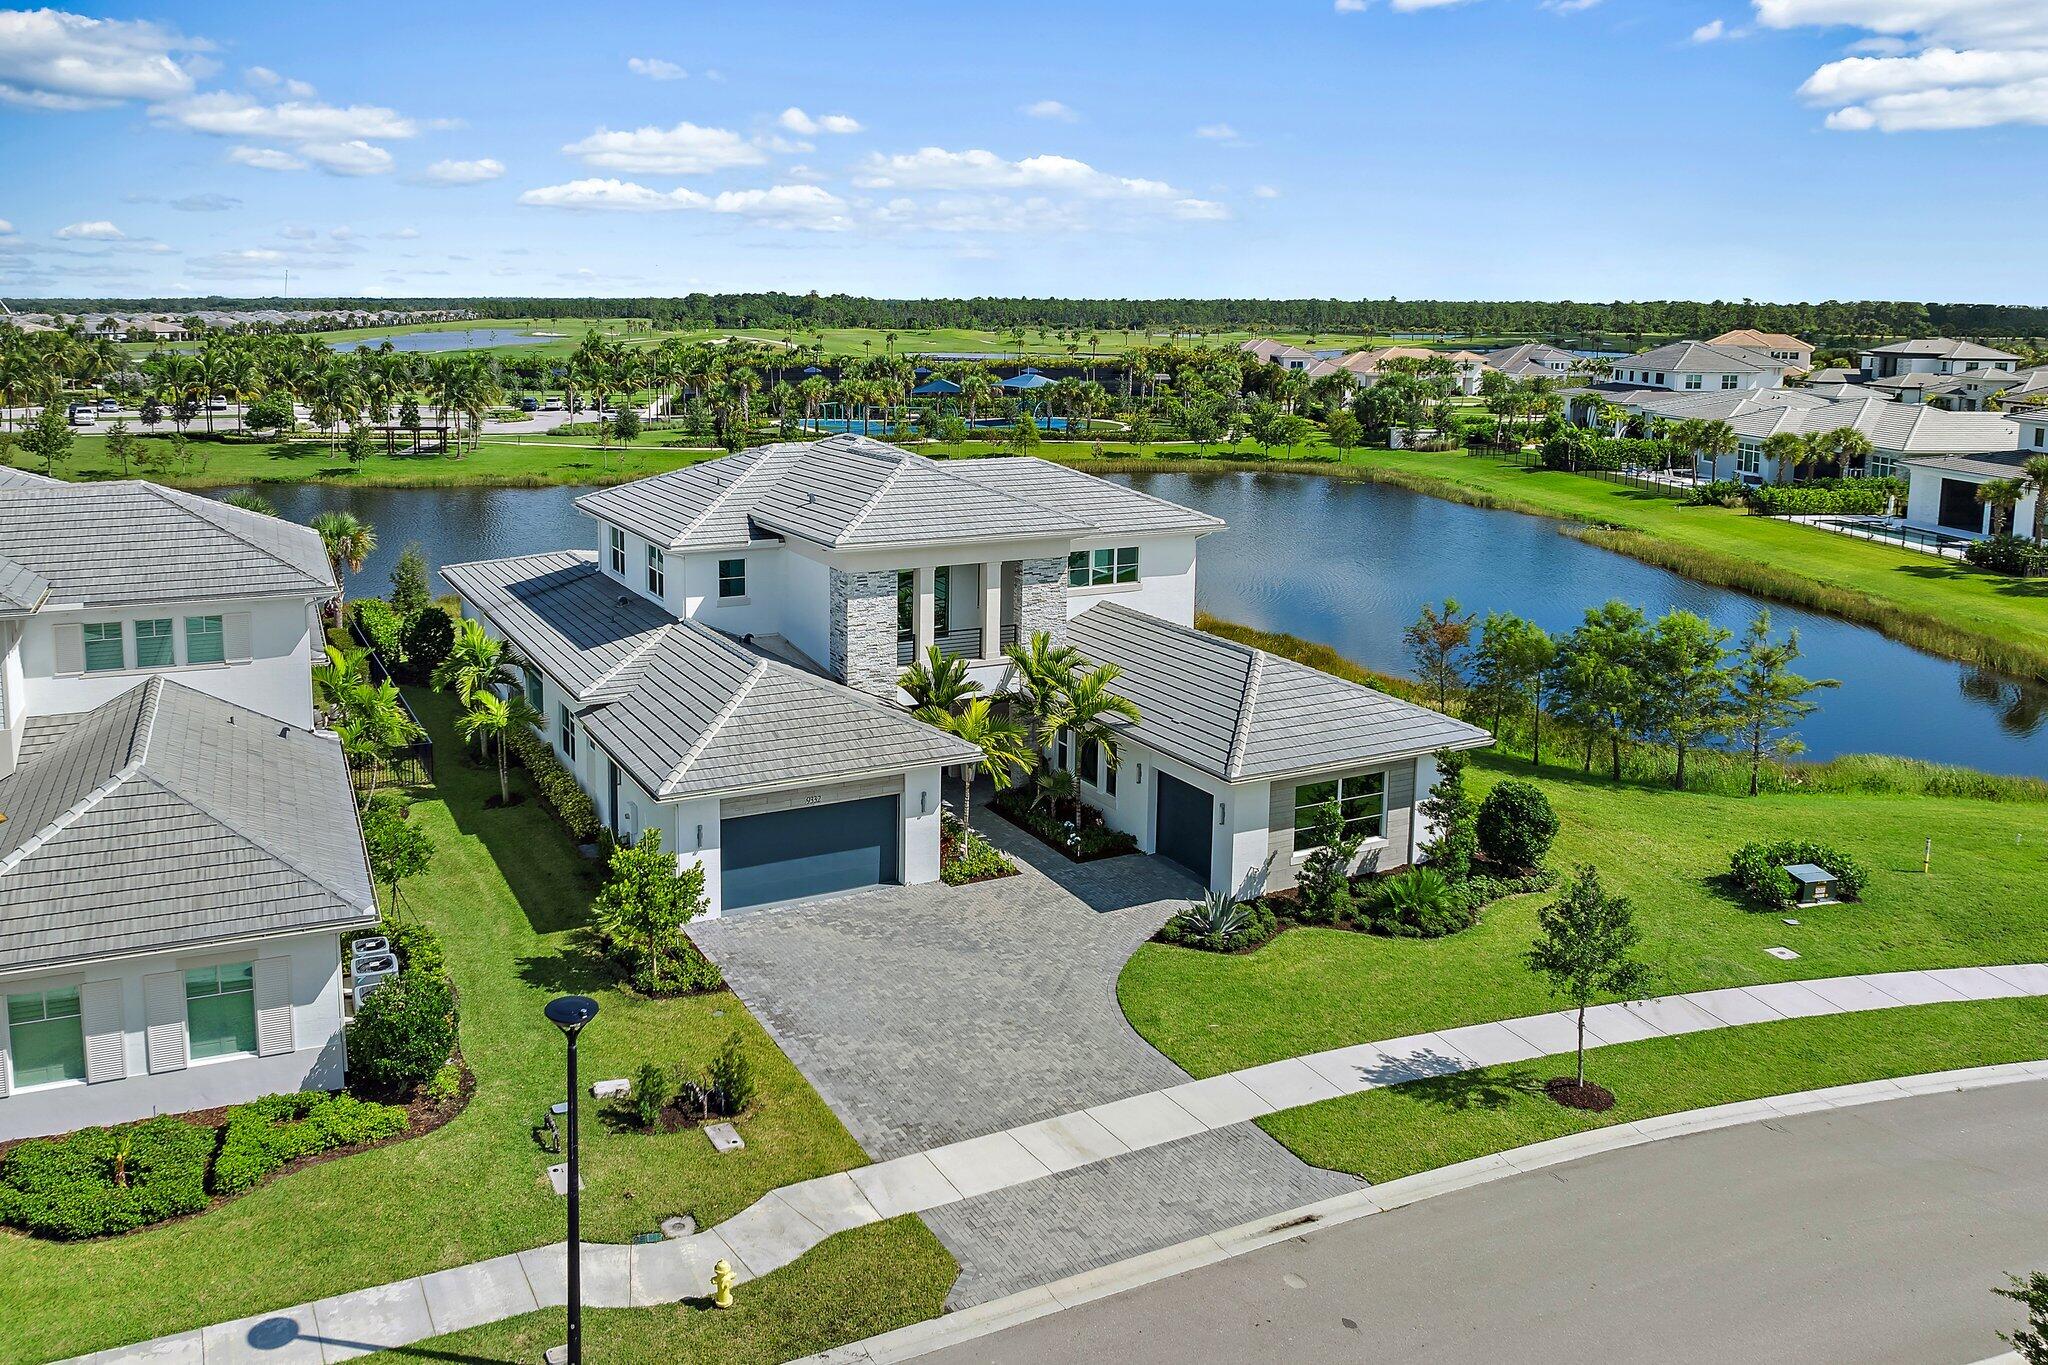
(68, 1187)
(558, 788)
(1759, 869)
(1825, 497)
(380, 625)
(262, 1136)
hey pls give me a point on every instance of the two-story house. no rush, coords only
(1797, 354)
(723, 666)
(1699, 367)
(179, 851)
(1933, 356)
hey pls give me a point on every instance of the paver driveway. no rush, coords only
(928, 1014)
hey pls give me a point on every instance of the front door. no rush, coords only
(1182, 824)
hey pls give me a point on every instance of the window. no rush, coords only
(1059, 750)
(45, 1037)
(906, 605)
(1099, 568)
(1729, 381)
(220, 1009)
(732, 578)
(1090, 770)
(1692, 381)
(1660, 379)
(2040, 436)
(1108, 775)
(154, 647)
(1884, 467)
(204, 642)
(1749, 460)
(1362, 800)
(942, 600)
(534, 692)
(618, 539)
(566, 724)
(657, 572)
(103, 649)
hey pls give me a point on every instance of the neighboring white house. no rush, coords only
(1897, 432)
(1978, 390)
(1934, 356)
(1797, 354)
(1285, 354)
(1533, 359)
(724, 665)
(1364, 369)
(179, 852)
(1942, 490)
(1699, 366)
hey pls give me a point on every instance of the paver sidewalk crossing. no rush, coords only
(785, 1223)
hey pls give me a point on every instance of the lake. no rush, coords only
(468, 339)
(1347, 564)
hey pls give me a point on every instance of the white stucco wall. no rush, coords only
(276, 681)
(315, 1062)
(1166, 579)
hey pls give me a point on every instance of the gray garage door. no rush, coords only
(809, 851)
(1182, 824)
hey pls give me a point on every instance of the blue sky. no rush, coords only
(1593, 149)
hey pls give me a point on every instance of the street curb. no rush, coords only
(984, 1319)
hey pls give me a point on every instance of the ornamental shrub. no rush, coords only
(730, 1078)
(261, 1136)
(1323, 886)
(1448, 811)
(651, 1090)
(971, 858)
(424, 640)
(380, 625)
(2008, 554)
(1419, 903)
(403, 1034)
(1516, 825)
(1842, 497)
(1759, 869)
(1219, 923)
(100, 1181)
(559, 790)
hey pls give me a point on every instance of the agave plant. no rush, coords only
(1216, 916)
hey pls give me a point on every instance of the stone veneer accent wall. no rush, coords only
(1042, 599)
(862, 631)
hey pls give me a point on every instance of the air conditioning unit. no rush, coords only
(370, 945)
(372, 972)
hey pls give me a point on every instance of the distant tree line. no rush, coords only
(1425, 317)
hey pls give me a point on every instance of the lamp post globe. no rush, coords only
(570, 1013)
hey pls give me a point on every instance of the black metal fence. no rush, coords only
(1672, 484)
(410, 765)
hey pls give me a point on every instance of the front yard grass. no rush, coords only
(508, 893)
(1402, 1129)
(1312, 989)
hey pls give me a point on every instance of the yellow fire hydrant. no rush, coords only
(721, 1285)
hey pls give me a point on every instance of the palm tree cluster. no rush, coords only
(480, 670)
(367, 716)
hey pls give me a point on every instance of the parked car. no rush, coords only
(529, 405)
(110, 405)
(552, 405)
(84, 414)
(216, 404)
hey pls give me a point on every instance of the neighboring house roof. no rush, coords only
(1240, 713)
(2004, 465)
(1942, 348)
(166, 818)
(1721, 405)
(22, 589)
(1897, 428)
(683, 708)
(1760, 341)
(1703, 357)
(848, 492)
(1911, 379)
(1274, 350)
(1531, 357)
(105, 543)
(1835, 374)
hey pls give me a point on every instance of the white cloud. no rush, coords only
(1048, 183)
(1265, 192)
(6, 228)
(353, 157)
(1050, 109)
(404, 234)
(239, 264)
(1711, 31)
(1926, 65)
(804, 206)
(266, 159)
(1350, 6)
(655, 69)
(205, 203)
(1569, 6)
(463, 172)
(50, 59)
(685, 149)
(797, 121)
(225, 113)
(263, 78)
(1218, 132)
(98, 230)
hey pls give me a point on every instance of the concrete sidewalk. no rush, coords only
(785, 1223)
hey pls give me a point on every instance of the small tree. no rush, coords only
(2030, 1343)
(492, 718)
(398, 846)
(1584, 946)
(1685, 696)
(650, 1094)
(731, 1077)
(646, 901)
(1516, 825)
(121, 446)
(409, 592)
(1448, 812)
(1766, 698)
(1324, 884)
(357, 445)
(1343, 431)
(1438, 641)
(48, 438)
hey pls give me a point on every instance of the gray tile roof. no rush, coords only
(685, 709)
(1897, 428)
(1942, 348)
(166, 818)
(1723, 404)
(1702, 357)
(582, 628)
(2005, 465)
(107, 543)
(22, 589)
(1240, 713)
(1530, 358)
(848, 492)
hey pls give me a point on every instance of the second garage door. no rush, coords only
(809, 851)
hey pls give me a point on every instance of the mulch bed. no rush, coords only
(1574, 1094)
(1021, 822)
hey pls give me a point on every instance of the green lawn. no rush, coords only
(509, 894)
(852, 1286)
(1402, 1129)
(1312, 989)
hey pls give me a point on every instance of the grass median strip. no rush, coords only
(1419, 1126)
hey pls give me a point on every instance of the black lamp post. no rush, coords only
(570, 1013)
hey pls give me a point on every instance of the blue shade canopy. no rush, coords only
(1030, 379)
(935, 388)
(812, 369)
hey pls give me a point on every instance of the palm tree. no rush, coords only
(492, 718)
(1091, 713)
(1044, 670)
(1006, 752)
(368, 718)
(1790, 452)
(349, 540)
(2036, 470)
(1842, 447)
(2002, 496)
(938, 686)
(477, 661)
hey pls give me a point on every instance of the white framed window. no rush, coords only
(154, 647)
(104, 650)
(1090, 768)
(1059, 749)
(220, 1010)
(1362, 801)
(45, 1037)
(618, 550)
(1692, 381)
(566, 725)
(657, 572)
(1099, 568)
(1884, 467)
(1749, 459)
(205, 642)
(1730, 381)
(732, 578)
(534, 691)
